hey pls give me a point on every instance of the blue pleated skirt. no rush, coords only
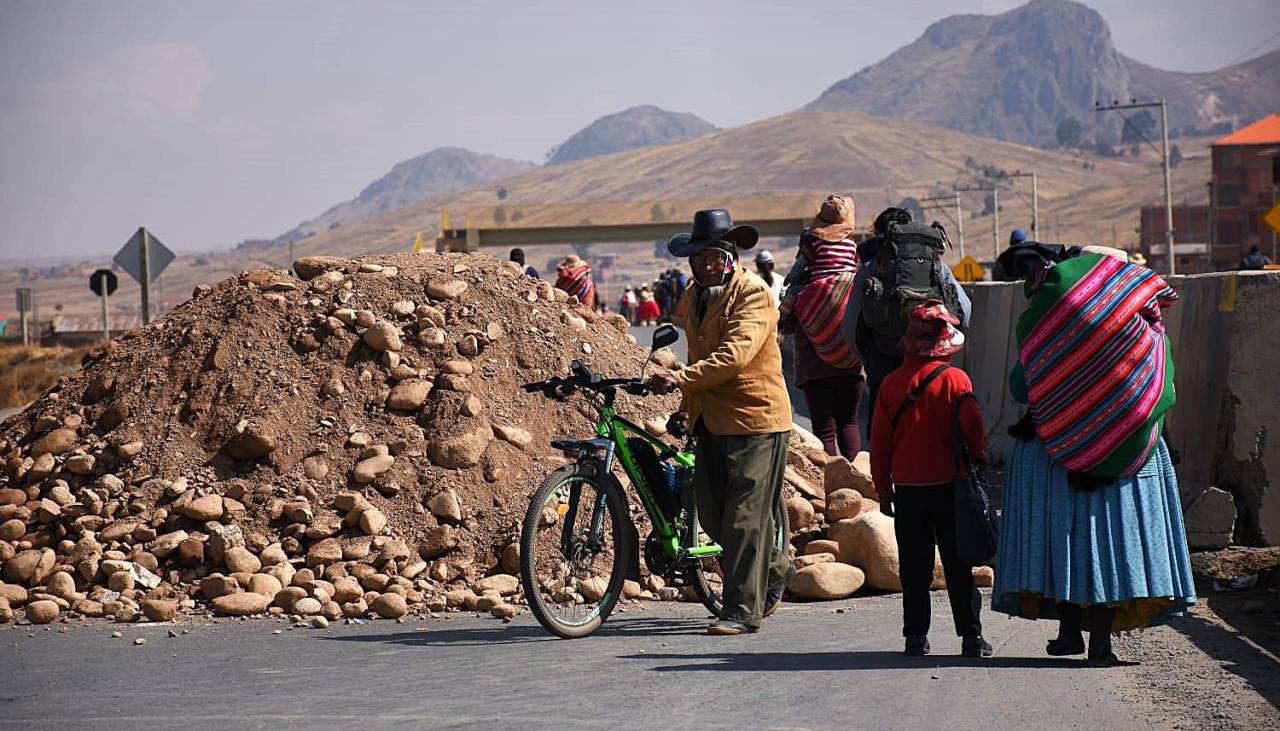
(1121, 545)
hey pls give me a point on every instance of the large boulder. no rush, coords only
(310, 267)
(841, 474)
(799, 512)
(843, 503)
(868, 542)
(826, 580)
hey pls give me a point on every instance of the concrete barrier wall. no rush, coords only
(1225, 332)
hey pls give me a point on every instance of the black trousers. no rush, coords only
(877, 365)
(926, 518)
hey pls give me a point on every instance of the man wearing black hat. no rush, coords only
(736, 400)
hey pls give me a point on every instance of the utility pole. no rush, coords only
(941, 203)
(146, 276)
(1035, 198)
(1213, 266)
(1164, 159)
(994, 190)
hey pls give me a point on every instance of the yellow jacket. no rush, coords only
(733, 381)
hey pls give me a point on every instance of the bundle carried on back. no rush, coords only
(1094, 363)
(820, 285)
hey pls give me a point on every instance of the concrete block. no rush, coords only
(1210, 520)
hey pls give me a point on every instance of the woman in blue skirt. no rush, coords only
(1091, 530)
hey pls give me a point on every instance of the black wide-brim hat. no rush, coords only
(712, 226)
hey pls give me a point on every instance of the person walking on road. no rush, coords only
(914, 470)
(873, 344)
(811, 313)
(1091, 530)
(764, 268)
(734, 395)
(647, 311)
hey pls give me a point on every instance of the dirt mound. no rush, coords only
(348, 441)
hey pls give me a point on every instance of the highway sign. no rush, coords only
(1273, 218)
(129, 257)
(969, 270)
(24, 299)
(96, 279)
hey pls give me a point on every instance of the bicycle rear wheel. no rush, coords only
(573, 550)
(706, 576)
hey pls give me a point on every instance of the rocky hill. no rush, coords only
(439, 171)
(629, 129)
(1017, 75)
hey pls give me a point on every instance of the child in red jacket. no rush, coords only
(914, 468)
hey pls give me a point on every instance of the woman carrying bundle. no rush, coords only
(812, 313)
(1091, 532)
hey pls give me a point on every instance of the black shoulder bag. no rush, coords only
(977, 534)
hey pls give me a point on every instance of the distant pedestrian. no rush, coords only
(517, 256)
(574, 276)
(647, 311)
(1091, 530)
(764, 267)
(627, 304)
(914, 469)
(1255, 259)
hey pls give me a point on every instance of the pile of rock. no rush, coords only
(351, 441)
(844, 541)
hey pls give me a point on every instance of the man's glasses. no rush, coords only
(709, 260)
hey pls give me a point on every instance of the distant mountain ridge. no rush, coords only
(1015, 76)
(442, 170)
(641, 126)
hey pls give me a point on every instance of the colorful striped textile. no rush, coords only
(1095, 363)
(577, 282)
(819, 304)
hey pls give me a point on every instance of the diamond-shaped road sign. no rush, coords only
(129, 257)
(969, 270)
(1273, 218)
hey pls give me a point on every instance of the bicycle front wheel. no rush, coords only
(707, 577)
(573, 550)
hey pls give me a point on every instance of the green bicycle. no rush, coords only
(579, 543)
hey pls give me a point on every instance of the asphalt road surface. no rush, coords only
(811, 668)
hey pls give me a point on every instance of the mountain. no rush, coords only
(802, 156)
(439, 171)
(629, 129)
(1015, 76)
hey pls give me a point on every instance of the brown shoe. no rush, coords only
(729, 627)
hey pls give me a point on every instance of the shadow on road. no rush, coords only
(1231, 651)
(752, 662)
(519, 634)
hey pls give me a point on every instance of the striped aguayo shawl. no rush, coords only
(1096, 363)
(819, 304)
(577, 282)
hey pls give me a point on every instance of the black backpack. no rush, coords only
(908, 272)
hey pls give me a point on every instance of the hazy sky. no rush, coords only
(212, 122)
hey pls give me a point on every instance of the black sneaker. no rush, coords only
(975, 646)
(916, 645)
(773, 597)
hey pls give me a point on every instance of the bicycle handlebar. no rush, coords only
(582, 378)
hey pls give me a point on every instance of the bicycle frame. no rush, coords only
(612, 431)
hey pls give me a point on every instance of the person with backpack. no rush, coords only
(900, 266)
(914, 469)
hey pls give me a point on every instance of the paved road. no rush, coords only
(646, 669)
